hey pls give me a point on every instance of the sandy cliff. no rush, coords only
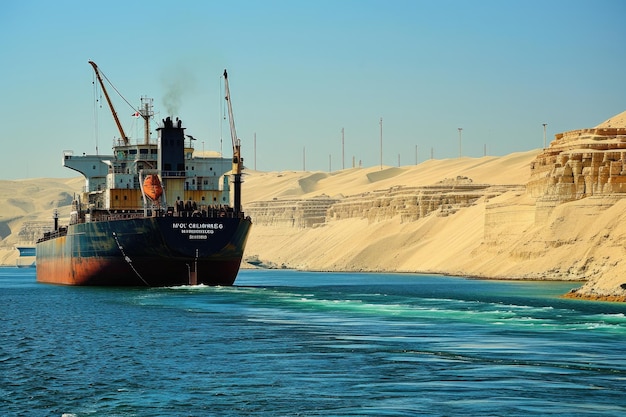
(549, 214)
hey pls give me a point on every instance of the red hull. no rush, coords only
(147, 272)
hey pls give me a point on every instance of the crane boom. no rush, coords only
(233, 133)
(237, 160)
(106, 94)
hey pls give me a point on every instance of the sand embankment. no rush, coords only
(493, 232)
(26, 210)
(465, 216)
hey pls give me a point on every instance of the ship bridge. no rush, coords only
(93, 167)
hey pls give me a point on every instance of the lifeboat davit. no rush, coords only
(152, 187)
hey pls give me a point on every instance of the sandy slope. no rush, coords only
(510, 169)
(31, 201)
(580, 241)
(431, 244)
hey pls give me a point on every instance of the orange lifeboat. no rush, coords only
(152, 187)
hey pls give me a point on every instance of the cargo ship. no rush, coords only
(152, 213)
(26, 258)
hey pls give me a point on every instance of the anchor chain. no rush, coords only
(128, 260)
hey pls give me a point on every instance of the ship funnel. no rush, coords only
(172, 147)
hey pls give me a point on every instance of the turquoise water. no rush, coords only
(285, 343)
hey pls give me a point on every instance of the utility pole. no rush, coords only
(343, 160)
(381, 143)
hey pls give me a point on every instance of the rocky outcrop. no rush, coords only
(413, 203)
(33, 230)
(585, 164)
(580, 163)
(408, 203)
(299, 213)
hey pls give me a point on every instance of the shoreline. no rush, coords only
(431, 273)
(573, 294)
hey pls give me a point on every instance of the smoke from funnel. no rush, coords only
(177, 84)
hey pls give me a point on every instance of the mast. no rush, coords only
(237, 160)
(106, 94)
(146, 113)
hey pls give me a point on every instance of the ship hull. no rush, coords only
(154, 251)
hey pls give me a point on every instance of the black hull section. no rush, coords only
(155, 251)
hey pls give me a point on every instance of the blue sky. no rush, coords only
(300, 71)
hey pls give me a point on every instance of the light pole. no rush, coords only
(544, 135)
(460, 134)
(381, 143)
(343, 158)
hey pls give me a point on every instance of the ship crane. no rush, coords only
(117, 120)
(237, 159)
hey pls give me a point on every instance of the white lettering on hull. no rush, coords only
(197, 231)
(198, 226)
